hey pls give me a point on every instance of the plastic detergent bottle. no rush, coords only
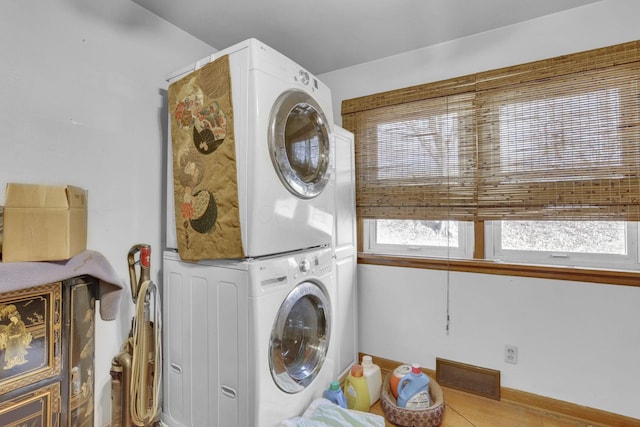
(356, 390)
(413, 390)
(334, 394)
(373, 375)
(396, 376)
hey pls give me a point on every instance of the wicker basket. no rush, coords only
(430, 417)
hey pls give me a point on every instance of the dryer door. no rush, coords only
(300, 337)
(299, 143)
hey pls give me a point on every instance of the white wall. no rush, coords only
(82, 103)
(577, 342)
(599, 24)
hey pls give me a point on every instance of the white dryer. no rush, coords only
(284, 156)
(246, 343)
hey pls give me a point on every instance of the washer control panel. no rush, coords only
(319, 263)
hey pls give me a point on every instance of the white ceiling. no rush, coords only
(326, 35)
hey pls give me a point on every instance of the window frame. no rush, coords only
(629, 261)
(626, 209)
(463, 251)
(494, 253)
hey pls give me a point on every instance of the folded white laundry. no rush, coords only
(324, 413)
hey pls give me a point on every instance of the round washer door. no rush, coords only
(300, 337)
(299, 143)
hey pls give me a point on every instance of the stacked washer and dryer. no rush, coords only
(252, 341)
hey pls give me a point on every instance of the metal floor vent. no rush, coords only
(473, 379)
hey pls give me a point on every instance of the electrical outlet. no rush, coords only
(511, 354)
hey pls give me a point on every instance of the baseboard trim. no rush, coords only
(534, 401)
(547, 404)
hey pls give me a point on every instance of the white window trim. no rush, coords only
(463, 251)
(493, 252)
(630, 261)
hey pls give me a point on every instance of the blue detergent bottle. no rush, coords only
(413, 389)
(334, 394)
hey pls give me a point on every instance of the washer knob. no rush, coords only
(305, 266)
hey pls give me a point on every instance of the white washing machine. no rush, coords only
(246, 343)
(284, 156)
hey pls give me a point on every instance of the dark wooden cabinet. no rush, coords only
(47, 353)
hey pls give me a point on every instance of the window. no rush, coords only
(538, 163)
(543, 134)
(442, 239)
(598, 244)
(561, 148)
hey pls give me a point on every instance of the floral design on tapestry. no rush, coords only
(199, 209)
(208, 122)
(204, 164)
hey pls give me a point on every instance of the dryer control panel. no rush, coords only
(305, 78)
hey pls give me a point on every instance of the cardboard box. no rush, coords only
(44, 223)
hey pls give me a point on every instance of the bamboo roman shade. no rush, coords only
(554, 139)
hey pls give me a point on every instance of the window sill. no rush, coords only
(577, 274)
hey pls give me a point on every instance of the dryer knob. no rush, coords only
(304, 77)
(305, 266)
